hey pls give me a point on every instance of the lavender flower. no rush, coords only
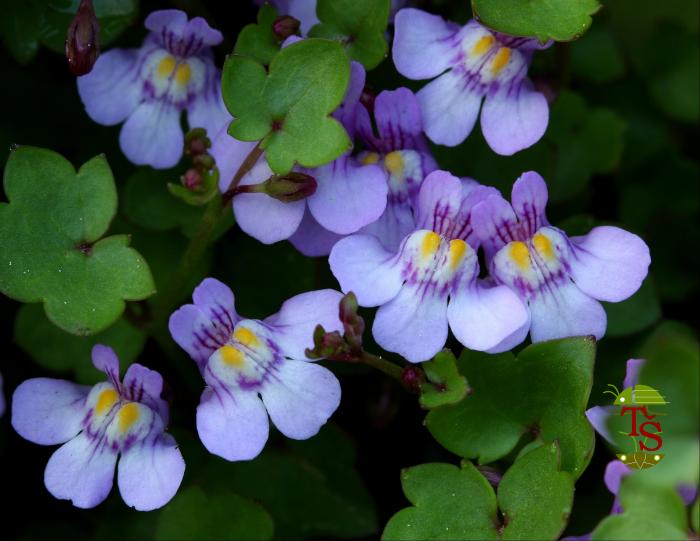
(149, 88)
(254, 368)
(432, 280)
(400, 149)
(472, 62)
(98, 424)
(560, 279)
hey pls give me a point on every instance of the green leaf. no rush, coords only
(561, 20)
(148, 203)
(596, 57)
(258, 40)
(647, 513)
(115, 16)
(634, 314)
(51, 248)
(56, 350)
(358, 24)
(445, 384)
(695, 515)
(324, 495)
(588, 141)
(542, 394)
(534, 498)
(194, 515)
(448, 503)
(288, 108)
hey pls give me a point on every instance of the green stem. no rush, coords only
(250, 160)
(389, 368)
(193, 254)
(215, 210)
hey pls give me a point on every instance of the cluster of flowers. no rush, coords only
(403, 235)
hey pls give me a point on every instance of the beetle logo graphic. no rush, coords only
(646, 434)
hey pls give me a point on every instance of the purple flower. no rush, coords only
(151, 86)
(560, 279)
(472, 63)
(400, 147)
(348, 195)
(254, 368)
(432, 280)
(98, 424)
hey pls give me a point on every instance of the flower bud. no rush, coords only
(285, 26)
(329, 345)
(192, 179)
(353, 324)
(83, 39)
(412, 378)
(197, 142)
(290, 187)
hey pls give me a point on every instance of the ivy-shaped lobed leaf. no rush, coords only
(358, 24)
(194, 515)
(51, 245)
(258, 40)
(647, 513)
(288, 108)
(560, 20)
(534, 500)
(542, 395)
(56, 350)
(445, 384)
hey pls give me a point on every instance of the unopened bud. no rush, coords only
(83, 39)
(192, 180)
(353, 324)
(290, 187)
(412, 378)
(329, 345)
(197, 142)
(285, 26)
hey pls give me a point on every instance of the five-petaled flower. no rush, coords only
(560, 279)
(254, 368)
(98, 424)
(150, 87)
(472, 63)
(432, 280)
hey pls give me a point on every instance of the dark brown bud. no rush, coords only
(285, 26)
(83, 40)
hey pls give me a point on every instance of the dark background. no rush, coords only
(628, 156)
